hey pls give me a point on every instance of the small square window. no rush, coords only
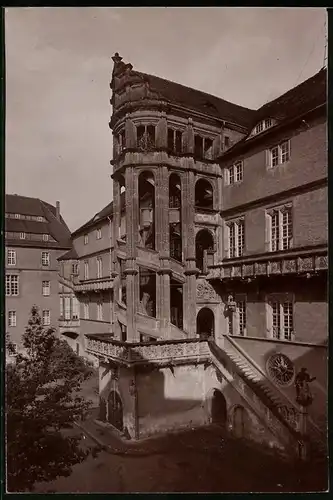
(45, 237)
(22, 236)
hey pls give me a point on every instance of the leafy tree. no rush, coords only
(43, 401)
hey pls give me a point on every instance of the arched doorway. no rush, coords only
(218, 409)
(204, 243)
(115, 410)
(205, 323)
(240, 422)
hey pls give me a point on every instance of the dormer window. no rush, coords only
(262, 125)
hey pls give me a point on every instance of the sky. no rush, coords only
(58, 71)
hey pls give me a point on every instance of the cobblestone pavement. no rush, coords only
(198, 461)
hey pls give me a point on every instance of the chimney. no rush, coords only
(58, 210)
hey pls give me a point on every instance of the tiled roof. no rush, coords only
(70, 255)
(99, 216)
(24, 205)
(200, 101)
(298, 100)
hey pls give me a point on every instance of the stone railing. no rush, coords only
(94, 285)
(152, 352)
(68, 323)
(294, 261)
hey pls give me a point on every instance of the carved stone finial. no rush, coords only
(116, 58)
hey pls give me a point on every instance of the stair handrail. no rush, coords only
(275, 388)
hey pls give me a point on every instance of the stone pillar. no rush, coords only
(130, 133)
(163, 298)
(162, 212)
(132, 227)
(162, 132)
(116, 224)
(188, 214)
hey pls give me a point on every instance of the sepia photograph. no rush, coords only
(166, 250)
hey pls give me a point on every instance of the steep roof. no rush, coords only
(298, 100)
(200, 101)
(25, 205)
(70, 255)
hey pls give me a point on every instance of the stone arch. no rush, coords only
(204, 243)
(204, 193)
(216, 407)
(147, 208)
(240, 421)
(114, 411)
(205, 323)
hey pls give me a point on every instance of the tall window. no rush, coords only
(99, 311)
(121, 141)
(279, 154)
(85, 239)
(12, 285)
(67, 308)
(203, 147)
(241, 310)
(11, 318)
(86, 310)
(46, 288)
(45, 237)
(75, 310)
(45, 258)
(282, 326)
(235, 173)
(98, 233)
(75, 268)
(86, 270)
(175, 140)
(61, 307)
(236, 238)
(11, 258)
(281, 228)
(46, 317)
(99, 267)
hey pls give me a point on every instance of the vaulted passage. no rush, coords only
(204, 194)
(147, 209)
(218, 409)
(204, 247)
(205, 323)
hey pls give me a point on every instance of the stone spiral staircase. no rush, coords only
(279, 414)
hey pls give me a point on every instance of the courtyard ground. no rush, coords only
(201, 460)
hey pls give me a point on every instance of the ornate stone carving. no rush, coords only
(275, 267)
(322, 262)
(237, 271)
(205, 291)
(248, 270)
(289, 266)
(261, 268)
(280, 369)
(306, 264)
(227, 272)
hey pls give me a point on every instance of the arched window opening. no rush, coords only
(145, 137)
(205, 323)
(204, 194)
(176, 303)
(175, 196)
(175, 140)
(176, 242)
(204, 249)
(147, 209)
(147, 292)
(122, 190)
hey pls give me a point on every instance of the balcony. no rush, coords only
(296, 261)
(161, 352)
(94, 285)
(68, 324)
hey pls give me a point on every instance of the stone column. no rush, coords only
(116, 224)
(188, 214)
(132, 227)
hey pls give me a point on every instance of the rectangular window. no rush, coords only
(235, 173)
(45, 258)
(99, 267)
(85, 239)
(46, 288)
(46, 317)
(75, 310)
(12, 285)
(241, 310)
(22, 236)
(175, 140)
(45, 237)
(99, 311)
(259, 127)
(11, 258)
(281, 229)
(236, 238)
(121, 141)
(61, 307)
(282, 319)
(226, 141)
(279, 154)
(86, 270)
(67, 301)
(98, 233)
(198, 146)
(75, 268)
(268, 123)
(11, 318)
(86, 310)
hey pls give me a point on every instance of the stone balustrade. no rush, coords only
(153, 352)
(291, 262)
